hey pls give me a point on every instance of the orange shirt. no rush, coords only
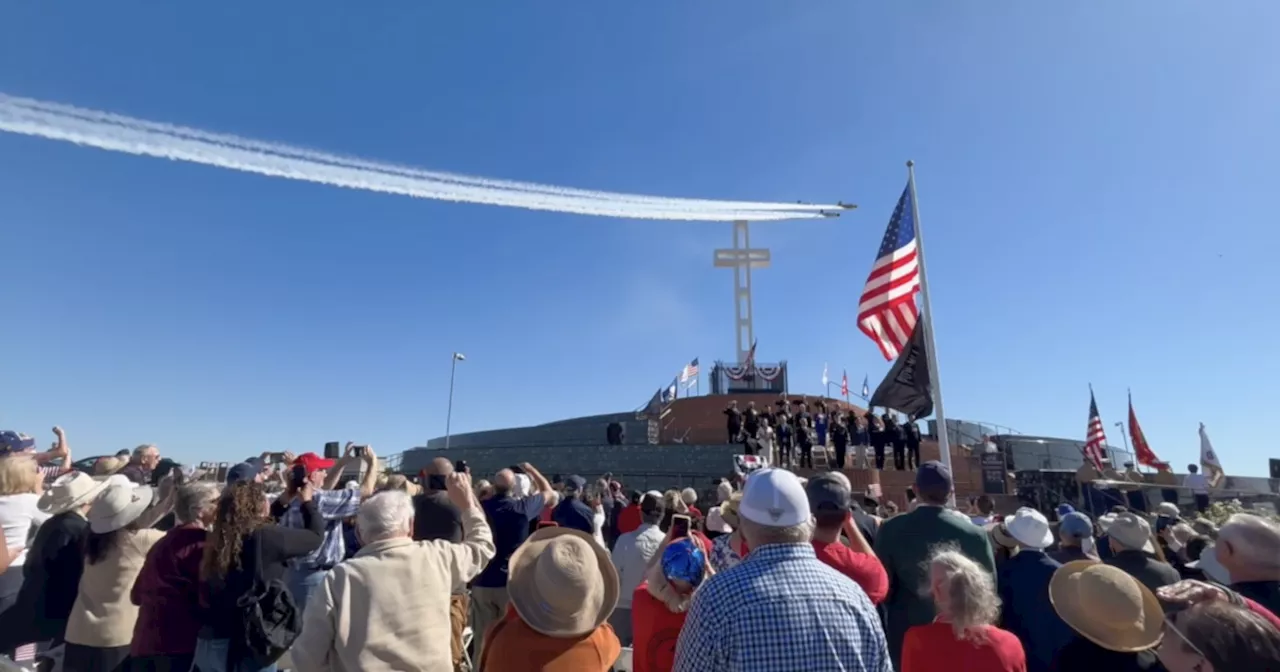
(510, 645)
(655, 629)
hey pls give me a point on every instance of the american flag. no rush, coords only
(1095, 443)
(844, 383)
(887, 311)
(750, 364)
(689, 371)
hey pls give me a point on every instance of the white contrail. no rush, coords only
(132, 136)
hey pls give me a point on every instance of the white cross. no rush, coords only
(741, 258)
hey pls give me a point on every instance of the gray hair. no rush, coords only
(758, 535)
(969, 591)
(1255, 538)
(192, 500)
(386, 515)
(141, 451)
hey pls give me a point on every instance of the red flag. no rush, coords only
(844, 383)
(1140, 448)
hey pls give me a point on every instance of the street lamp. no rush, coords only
(1124, 435)
(448, 418)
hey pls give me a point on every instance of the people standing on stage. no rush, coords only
(802, 413)
(893, 440)
(804, 441)
(750, 423)
(767, 440)
(733, 421)
(820, 424)
(785, 435)
(840, 439)
(861, 436)
(876, 433)
(1199, 486)
(912, 439)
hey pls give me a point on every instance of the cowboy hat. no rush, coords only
(562, 583)
(118, 505)
(1107, 606)
(1029, 528)
(68, 492)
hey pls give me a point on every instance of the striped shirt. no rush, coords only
(333, 505)
(781, 610)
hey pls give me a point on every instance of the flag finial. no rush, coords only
(910, 163)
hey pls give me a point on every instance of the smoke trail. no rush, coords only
(124, 134)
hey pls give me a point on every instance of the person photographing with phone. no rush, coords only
(333, 505)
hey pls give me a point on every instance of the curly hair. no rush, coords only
(239, 514)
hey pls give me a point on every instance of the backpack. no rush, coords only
(269, 616)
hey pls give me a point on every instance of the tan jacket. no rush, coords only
(387, 608)
(104, 614)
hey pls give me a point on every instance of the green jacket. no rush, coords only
(903, 546)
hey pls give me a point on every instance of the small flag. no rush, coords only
(670, 393)
(750, 364)
(887, 311)
(825, 381)
(1095, 442)
(1140, 447)
(1208, 458)
(844, 383)
(866, 389)
(907, 388)
(689, 371)
(459, 356)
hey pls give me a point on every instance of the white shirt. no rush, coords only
(1197, 482)
(631, 557)
(597, 527)
(18, 515)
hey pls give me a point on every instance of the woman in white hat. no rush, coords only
(563, 588)
(1118, 622)
(101, 625)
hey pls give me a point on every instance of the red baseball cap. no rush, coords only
(312, 462)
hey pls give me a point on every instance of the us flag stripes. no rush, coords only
(1095, 443)
(887, 311)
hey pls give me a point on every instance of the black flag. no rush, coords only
(907, 388)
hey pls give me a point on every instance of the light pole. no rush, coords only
(1124, 435)
(448, 418)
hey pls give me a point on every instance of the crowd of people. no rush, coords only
(135, 569)
(789, 434)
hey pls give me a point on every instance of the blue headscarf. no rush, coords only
(684, 560)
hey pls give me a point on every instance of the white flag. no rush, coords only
(825, 380)
(1208, 458)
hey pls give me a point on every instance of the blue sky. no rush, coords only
(1096, 187)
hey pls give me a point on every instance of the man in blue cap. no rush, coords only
(572, 512)
(904, 544)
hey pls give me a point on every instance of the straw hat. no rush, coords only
(1107, 606)
(68, 492)
(562, 583)
(1000, 536)
(106, 466)
(118, 505)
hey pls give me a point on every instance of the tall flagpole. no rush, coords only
(944, 442)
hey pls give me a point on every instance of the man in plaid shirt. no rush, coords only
(333, 504)
(781, 609)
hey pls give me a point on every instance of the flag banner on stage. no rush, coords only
(1095, 442)
(1208, 458)
(906, 388)
(1141, 449)
(887, 310)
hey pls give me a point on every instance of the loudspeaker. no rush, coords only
(614, 434)
(332, 450)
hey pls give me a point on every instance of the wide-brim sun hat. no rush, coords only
(1029, 528)
(562, 583)
(68, 492)
(118, 505)
(1107, 606)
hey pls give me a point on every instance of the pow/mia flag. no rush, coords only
(907, 388)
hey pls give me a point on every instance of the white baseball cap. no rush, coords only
(774, 497)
